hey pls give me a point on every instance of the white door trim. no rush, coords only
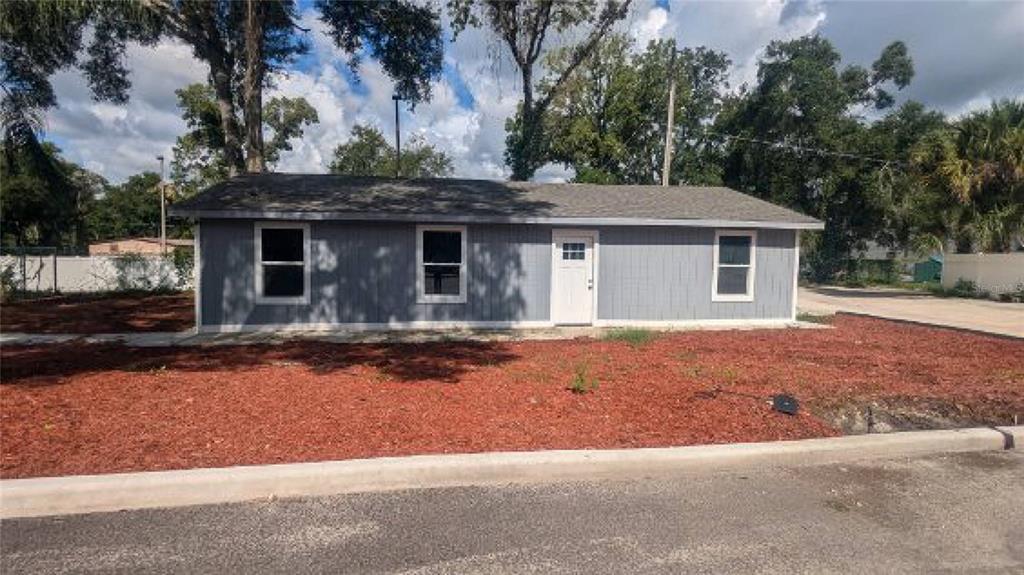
(595, 237)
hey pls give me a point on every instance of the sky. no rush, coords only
(965, 53)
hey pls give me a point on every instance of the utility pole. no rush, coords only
(163, 209)
(398, 140)
(667, 168)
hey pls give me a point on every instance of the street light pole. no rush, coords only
(163, 209)
(398, 139)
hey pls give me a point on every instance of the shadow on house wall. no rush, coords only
(365, 273)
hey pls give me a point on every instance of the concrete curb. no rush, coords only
(96, 493)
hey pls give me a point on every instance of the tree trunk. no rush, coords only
(521, 157)
(252, 113)
(220, 75)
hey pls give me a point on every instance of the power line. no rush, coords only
(805, 149)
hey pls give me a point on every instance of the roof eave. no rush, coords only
(493, 219)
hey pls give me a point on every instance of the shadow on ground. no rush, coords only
(441, 361)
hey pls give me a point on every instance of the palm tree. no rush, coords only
(974, 173)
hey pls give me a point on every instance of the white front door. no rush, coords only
(572, 294)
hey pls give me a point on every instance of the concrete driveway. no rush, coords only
(941, 513)
(980, 315)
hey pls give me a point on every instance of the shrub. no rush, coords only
(134, 272)
(815, 318)
(1015, 295)
(582, 382)
(184, 266)
(8, 283)
(633, 336)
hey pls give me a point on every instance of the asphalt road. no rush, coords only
(942, 513)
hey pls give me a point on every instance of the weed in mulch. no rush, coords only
(582, 381)
(633, 336)
(79, 408)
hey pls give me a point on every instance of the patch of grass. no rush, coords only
(729, 374)
(633, 336)
(582, 381)
(815, 318)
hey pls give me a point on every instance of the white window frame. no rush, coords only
(421, 295)
(258, 228)
(745, 297)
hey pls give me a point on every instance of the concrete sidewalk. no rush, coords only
(190, 337)
(1006, 319)
(94, 493)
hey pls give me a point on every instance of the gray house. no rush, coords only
(284, 251)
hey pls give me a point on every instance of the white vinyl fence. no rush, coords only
(93, 273)
(994, 273)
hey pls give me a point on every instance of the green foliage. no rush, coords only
(962, 288)
(44, 199)
(8, 282)
(200, 155)
(404, 36)
(582, 381)
(367, 153)
(286, 118)
(184, 266)
(803, 99)
(972, 177)
(524, 28)
(815, 318)
(606, 121)
(1016, 295)
(131, 209)
(135, 272)
(633, 336)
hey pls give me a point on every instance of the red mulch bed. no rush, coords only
(88, 313)
(75, 408)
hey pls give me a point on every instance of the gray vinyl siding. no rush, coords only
(365, 272)
(665, 273)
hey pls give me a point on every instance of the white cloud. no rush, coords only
(118, 141)
(956, 73)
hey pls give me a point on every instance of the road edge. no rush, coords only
(38, 497)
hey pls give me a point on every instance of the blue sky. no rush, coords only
(965, 54)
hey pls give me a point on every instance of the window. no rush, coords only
(574, 251)
(282, 263)
(441, 264)
(734, 266)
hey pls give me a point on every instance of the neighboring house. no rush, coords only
(144, 246)
(283, 251)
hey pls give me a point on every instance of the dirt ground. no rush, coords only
(76, 408)
(88, 313)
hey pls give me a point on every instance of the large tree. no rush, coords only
(33, 212)
(526, 28)
(367, 153)
(201, 155)
(607, 121)
(778, 135)
(973, 178)
(131, 209)
(44, 196)
(243, 43)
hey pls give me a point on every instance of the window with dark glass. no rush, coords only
(442, 262)
(282, 259)
(574, 251)
(734, 265)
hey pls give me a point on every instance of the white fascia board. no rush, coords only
(471, 219)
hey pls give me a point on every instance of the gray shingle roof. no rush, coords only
(325, 196)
